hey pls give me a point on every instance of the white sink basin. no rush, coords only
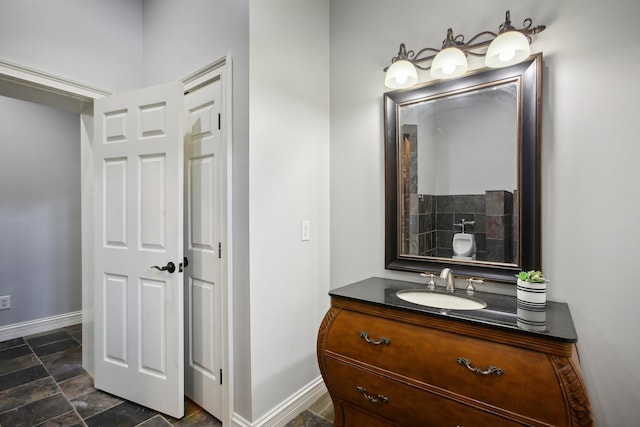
(440, 300)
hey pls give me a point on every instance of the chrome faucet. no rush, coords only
(447, 274)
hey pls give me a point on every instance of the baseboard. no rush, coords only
(36, 326)
(287, 410)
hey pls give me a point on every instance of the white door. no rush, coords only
(138, 163)
(204, 190)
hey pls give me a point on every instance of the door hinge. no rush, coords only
(219, 120)
(220, 376)
(219, 250)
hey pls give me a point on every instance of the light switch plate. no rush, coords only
(305, 231)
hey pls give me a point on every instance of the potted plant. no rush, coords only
(532, 289)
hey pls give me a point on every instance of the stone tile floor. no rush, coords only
(42, 383)
(320, 414)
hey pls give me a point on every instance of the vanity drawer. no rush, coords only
(431, 356)
(355, 416)
(399, 403)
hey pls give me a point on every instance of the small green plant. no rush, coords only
(531, 276)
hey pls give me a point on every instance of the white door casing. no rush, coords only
(205, 183)
(138, 217)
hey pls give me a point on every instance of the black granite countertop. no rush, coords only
(501, 311)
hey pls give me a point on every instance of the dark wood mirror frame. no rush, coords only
(529, 75)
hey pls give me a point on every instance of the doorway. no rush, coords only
(57, 91)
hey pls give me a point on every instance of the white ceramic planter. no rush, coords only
(532, 295)
(531, 320)
(531, 306)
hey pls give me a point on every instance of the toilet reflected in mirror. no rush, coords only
(464, 246)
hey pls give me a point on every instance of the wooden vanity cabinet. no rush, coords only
(389, 367)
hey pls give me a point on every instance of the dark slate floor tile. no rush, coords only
(65, 364)
(77, 386)
(12, 353)
(70, 419)
(126, 414)
(190, 408)
(200, 418)
(56, 347)
(323, 407)
(22, 376)
(73, 328)
(75, 331)
(36, 412)
(49, 337)
(309, 419)
(157, 421)
(11, 343)
(18, 363)
(27, 393)
(94, 402)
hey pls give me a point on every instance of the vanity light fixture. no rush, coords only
(508, 47)
(402, 72)
(450, 62)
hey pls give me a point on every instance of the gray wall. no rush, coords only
(90, 41)
(39, 211)
(95, 42)
(134, 44)
(590, 202)
(179, 38)
(589, 152)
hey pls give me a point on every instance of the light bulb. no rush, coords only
(401, 79)
(508, 48)
(448, 69)
(401, 74)
(506, 55)
(449, 62)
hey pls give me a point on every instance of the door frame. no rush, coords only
(222, 69)
(29, 84)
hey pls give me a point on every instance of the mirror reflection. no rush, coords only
(459, 160)
(462, 174)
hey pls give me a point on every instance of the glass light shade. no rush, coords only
(508, 48)
(401, 74)
(448, 63)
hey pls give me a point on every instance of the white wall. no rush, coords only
(179, 38)
(590, 202)
(280, 174)
(95, 42)
(289, 182)
(39, 211)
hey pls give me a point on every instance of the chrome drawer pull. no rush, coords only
(379, 399)
(383, 340)
(491, 370)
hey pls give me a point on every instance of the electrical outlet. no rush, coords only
(5, 302)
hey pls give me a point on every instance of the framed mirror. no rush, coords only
(462, 174)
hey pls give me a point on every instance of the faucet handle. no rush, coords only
(432, 284)
(471, 281)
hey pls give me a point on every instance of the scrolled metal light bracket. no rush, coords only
(475, 46)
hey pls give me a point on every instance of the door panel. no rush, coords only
(204, 183)
(115, 316)
(152, 202)
(115, 190)
(138, 161)
(203, 306)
